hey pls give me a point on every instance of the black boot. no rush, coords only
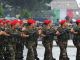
(68, 59)
(53, 59)
(37, 58)
(19, 56)
(77, 58)
(1, 58)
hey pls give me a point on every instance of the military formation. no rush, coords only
(14, 34)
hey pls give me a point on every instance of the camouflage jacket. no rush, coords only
(49, 33)
(2, 37)
(33, 34)
(76, 36)
(15, 35)
(64, 33)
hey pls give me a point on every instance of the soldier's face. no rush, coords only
(18, 24)
(50, 24)
(78, 24)
(33, 24)
(65, 24)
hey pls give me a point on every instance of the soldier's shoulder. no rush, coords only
(59, 27)
(36, 28)
(43, 28)
(75, 27)
(54, 29)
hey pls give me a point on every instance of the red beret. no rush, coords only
(47, 21)
(14, 22)
(62, 21)
(1, 21)
(78, 21)
(31, 21)
(7, 21)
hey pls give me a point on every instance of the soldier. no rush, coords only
(32, 35)
(7, 38)
(76, 38)
(48, 35)
(63, 36)
(23, 33)
(18, 44)
(2, 42)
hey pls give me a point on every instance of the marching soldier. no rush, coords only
(63, 37)
(7, 38)
(31, 35)
(76, 38)
(16, 35)
(2, 42)
(48, 35)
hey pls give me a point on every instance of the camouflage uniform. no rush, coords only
(7, 45)
(18, 44)
(31, 44)
(62, 42)
(48, 42)
(2, 46)
(76, 41)
(10, 44)
(31, 39)
(14, 47)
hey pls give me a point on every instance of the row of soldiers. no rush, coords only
(15, 34)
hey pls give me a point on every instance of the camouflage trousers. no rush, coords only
(77, 45)
(19, 51)
(2, 51)
(10, 55)
(63, 52)
(35, 51)
(78, 54)
(14, 52)
(48, 50)
(34, 47)
(5, 53)
(31, 50)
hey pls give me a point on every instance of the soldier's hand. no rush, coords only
(1, 32)
(39, 32)
(57, 33)
(23, 35)
(43, 35)
(6, 34)
(72, 30)
(75, 32)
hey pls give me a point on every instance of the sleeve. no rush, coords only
(54, 31)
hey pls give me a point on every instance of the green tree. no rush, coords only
(29, 4)
(25, 14)
(1, 11)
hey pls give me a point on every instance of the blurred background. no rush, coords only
(40, 9)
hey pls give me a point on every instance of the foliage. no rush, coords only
(29, 4)
(1, 10)
(25, 14)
